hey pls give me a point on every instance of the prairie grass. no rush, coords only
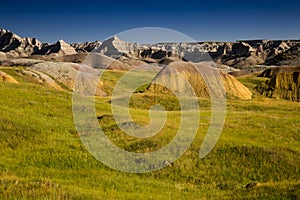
(42, 156)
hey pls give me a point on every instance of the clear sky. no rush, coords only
(90, 20)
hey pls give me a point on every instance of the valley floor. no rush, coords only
(42, 156)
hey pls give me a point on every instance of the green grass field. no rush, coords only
(42, 156)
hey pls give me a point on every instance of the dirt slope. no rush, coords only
(167, 76)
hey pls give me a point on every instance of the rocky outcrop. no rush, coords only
(241, 49)
(283, 82)
(74, 58)
(58, 49)
(239, 54)
(66, 73)
(100, 61)
(25, 62)
(195, 77)
(244, 54)
(86, 46)
(289, 57)
(16, 46)
(193, 52)
(3, 56)
(115, 47)
(37, 78)
(287, 86)
(273, 71)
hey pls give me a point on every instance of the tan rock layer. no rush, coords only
(167, 76)
(7, 78)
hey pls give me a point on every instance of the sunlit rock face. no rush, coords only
(283, 82)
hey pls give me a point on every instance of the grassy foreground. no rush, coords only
(42, 156)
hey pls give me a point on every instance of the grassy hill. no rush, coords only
(43, 157)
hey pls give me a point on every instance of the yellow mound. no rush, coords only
(7, 78)
(196, 74)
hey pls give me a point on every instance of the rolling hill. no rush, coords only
(257, 156)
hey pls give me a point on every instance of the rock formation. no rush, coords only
(66, 73)
(289, 57)
(283, 82)
(58, 49)
(238, 58)
(7, 78)
(115, 47)
(16, 46)
(86, 46)
(61, 47)
(238, 55)
(168, 77)
(244, 54)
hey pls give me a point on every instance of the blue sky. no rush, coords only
(78, 21)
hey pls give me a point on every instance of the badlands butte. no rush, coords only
(276, 62)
